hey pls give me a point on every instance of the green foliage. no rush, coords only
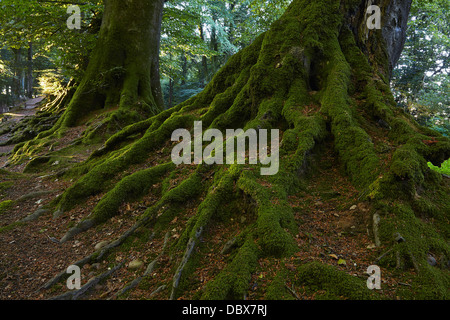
(198, 38)
(421, 81)
(45, 23)
(37, 46)
(333, 284)
(444, 169)
(5, 205)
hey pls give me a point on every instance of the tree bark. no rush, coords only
(124, 67)
(17, 85)
(204, 64)
(29, 76)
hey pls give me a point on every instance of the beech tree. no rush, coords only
(124, 67)
(321, 76)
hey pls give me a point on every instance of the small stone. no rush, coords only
(77, 243)
(135, 264)
(100, 245)
(95, 266)
(229, 246)
(399, 238)
(431, 261)
(354, 207)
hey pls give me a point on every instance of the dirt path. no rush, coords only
(14, 117)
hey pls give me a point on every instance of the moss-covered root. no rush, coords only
(135, 186)
(150, 268)
(94, 257)
(84, 290)
(413, 243)
(334, 284)
(43, 121)
(233, 281)
(218, 195)
(150, 124)
(97, 179)
(217, 95)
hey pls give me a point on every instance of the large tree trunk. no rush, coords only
(321, 77)
(124, 68)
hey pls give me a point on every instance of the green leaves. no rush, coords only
(421, 82)
(44, 23)
(199, 36)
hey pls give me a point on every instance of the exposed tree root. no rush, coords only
(94, 257)
(150, 268)
(77, 294)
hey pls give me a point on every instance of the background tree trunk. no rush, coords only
(17, 87)
(204, 64)
(29, 76)
(124, 67)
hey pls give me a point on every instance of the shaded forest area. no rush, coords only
(87, 177)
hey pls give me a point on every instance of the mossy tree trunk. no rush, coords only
(318, 74)
(124, 68)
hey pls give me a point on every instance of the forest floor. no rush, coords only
(17, 114)
(333, 228)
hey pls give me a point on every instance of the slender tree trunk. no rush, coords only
(17, 81)
(214, 45)
(29, 76)
(170, 98)
(184, 69)
(124, 67)
(204, 64)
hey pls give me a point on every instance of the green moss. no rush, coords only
(128, 189)
(336, 284)
(166, 208)
(97, 179)
(274, 216)
(443, 169)
(421, 239)
(408, 164)
(5, 206)
(232, 282)
(4, 186)
(277, 288)
(11, 226)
